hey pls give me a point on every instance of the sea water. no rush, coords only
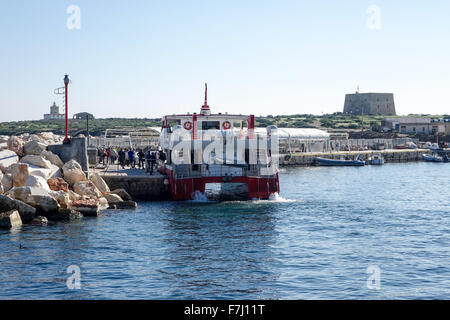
(374, 232)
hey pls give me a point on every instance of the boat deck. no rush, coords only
(115, 170)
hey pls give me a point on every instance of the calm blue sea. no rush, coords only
(316, 241)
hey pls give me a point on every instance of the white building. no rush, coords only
(301, 139)
(54, 113)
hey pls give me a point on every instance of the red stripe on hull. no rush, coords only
(258, 187)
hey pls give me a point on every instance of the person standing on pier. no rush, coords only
(131, 157)
(113, 155)
(141, 157)
(122, 158)
(108, 155)
(152, 161)
(127, 158)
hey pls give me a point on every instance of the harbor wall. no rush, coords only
(75, 150)
(307, 159)
(140, 187)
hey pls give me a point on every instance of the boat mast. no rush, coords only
(205, 108)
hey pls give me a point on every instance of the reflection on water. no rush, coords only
(231, 242)
(316, 240)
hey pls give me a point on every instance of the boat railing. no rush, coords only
(216, 170)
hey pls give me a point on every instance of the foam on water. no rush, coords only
(274, 197)
(200, 197)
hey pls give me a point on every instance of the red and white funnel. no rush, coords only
(205, 108)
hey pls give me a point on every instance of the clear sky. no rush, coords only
(150, 58)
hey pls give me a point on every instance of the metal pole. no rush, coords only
(87, 128)
(66, 93)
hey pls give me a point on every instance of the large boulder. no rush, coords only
(39, 221)
(10, 219)
(123, 194)
(127, 205)
(102, 204)
(37, 182)
(39, 172)
(65, 215)
(7, 158)
(37, 161)
(53, 172)
(19, 173)
(99, 183)
(4, 139)
(88, 207)
(50, 137)
(87, 188)
(26, 212)
(7, 182)
(62, 198)
(19, 193)
(33, 147)
(113, 199)
(73, 172)
(44, 204)
(58, 184)
(74, 196)
(16, 144)
(53, 158)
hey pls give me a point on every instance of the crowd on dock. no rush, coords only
(144, 159)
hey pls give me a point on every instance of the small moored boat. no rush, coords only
(376, 159)
(339, 162)
(432, 158)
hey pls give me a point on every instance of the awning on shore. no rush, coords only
(299, 133)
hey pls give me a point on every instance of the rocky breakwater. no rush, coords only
(37, 187)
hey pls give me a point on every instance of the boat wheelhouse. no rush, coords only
(221, 153)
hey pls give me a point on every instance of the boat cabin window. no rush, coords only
(207, 125)
(171, 124)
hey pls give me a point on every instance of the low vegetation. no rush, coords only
(97, 127)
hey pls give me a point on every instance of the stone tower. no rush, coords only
(369, 104)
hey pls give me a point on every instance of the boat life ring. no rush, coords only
(226, 125)
(188, 125)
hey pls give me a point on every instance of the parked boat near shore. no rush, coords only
(434, 158)
(376, 159)
(339, 162)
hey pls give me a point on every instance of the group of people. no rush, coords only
(131, 157)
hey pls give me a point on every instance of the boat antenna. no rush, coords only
(205, 108)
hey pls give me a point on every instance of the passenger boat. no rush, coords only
(218, 153)
(339, 162)
(376, 159)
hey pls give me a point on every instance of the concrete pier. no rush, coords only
(393, 155)
(138, 183)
